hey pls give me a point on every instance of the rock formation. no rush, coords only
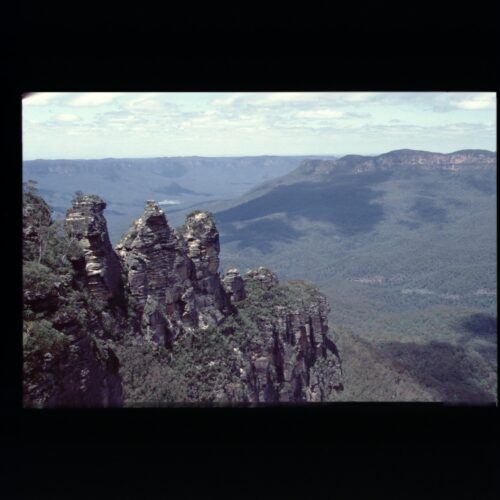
(297, 361)
(162, 284)
(263, 276)
(202, 239)
(85, 222)
(65, 365)
(82, 373)
(172, 279)
(234, 285)
(36, 219)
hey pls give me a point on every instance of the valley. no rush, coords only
(403, 245)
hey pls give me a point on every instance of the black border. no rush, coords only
(345, 448)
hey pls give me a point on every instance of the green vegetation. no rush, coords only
(200, 367)
(204, 365)
(57, 305)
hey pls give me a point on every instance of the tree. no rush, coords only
(30, 187)
(78, 194)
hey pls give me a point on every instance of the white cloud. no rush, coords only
(41, 98)
(359, 96)
(289, 97)
(320, 114)
(94, 98)
(228, 100)
(481, 101)
(67, 117)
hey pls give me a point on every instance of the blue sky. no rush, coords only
(113, 124)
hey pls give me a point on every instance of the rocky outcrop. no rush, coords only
(172, 280)
(263, 276)
(36, 220)
(65, 364)
(86, 223)
(274, 337)
(234, 285)
(202, 239)
(295, 361)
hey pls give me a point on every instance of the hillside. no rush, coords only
(403, 244)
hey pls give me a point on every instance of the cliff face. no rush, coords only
(234, 285)
(80, 373)
(36, 219)
(404, 159)
(202, 239)
(86, 223)
(172, 279)
(295, 360)
(65, 364)
(160, 296)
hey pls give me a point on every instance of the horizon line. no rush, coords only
(253, 156)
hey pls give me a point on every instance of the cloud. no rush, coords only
(290, 97)
(481, 101)
(67, 117)
(94, 98)
(41, 98)
(320, 114)
(228, 100)
(469, 101)
(359, 96)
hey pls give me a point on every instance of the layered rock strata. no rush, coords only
(172, 280)
(202, 239)
(296, 360)
(65, 365)
(85, 222)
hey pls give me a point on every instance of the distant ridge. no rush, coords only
(316, 170)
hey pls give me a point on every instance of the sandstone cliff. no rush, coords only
(85, 222)
(65, 364)
(171, 280)
(294, 359)
(155, 321)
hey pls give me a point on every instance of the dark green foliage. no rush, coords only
(58, 309)
(428, 211)
(207, 364)
(198, 369)
(41, 337)
(38, 278)
(481, 325)
(256, 234)
(450, 371)
(204, 365)
(78, 194)
(349, 204)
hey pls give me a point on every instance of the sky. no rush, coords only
(86, 125)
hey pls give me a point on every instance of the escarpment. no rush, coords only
(154, 321)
